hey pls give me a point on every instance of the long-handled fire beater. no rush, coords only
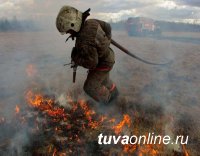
(74, 66)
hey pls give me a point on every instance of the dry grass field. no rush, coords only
(153, 96)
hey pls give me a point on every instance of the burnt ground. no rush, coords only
(162, 99)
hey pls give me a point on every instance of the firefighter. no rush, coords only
(91, 51)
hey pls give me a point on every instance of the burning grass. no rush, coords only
(58, 131)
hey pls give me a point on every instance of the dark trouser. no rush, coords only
(99, 86)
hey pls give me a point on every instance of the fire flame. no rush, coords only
(54, 152)
(185, 151)
(17, 109)
(145, 149)
(119, 127)
(94, 121)
(129, 148)
(89, 114)
(73, 123)
(149, 149)
(44, 104)
(47, 105)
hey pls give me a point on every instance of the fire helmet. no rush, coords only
(68, 18)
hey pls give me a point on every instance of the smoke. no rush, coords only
(19, 52)
(171, 87)
(19, 141)
(151, 91)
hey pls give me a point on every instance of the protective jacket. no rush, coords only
(92, 49)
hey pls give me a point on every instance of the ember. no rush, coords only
(17, 109)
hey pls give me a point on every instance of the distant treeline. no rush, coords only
(172, 26)
(15, 25)
(164, 26)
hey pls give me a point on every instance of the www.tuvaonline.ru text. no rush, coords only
(143, 139)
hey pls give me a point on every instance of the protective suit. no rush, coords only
(92, 52)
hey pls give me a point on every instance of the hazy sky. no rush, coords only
(171, 10)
